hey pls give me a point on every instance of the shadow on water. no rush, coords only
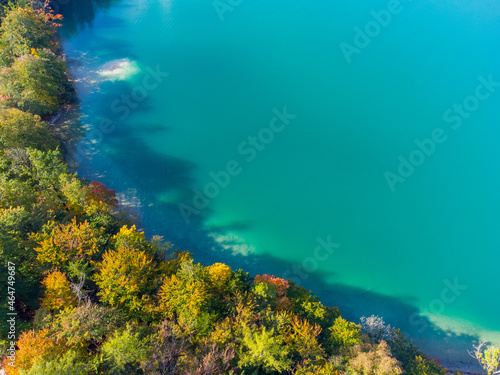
(451, 348)
(147, 167)
(79, 14)
(161, 181)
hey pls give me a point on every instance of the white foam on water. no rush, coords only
(118, 70)
(233, 243)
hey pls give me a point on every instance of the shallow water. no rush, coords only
(300, 136)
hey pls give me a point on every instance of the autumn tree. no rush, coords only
(23, 29)
(60, 244)
(219, 275)
(264, 349)
(35, 347)
(374, 360)
(127, 276)
(58, 294)
(86, 325)
(184, 296)
(302, 338)
(280, 287)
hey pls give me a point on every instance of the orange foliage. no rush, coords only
(34, 346)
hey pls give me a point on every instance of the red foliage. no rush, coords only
(438, 361)
(280, 284)
(99, 192)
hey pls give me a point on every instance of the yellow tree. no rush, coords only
(59, 244)
(219, 275)
(127, 276)
(303, 338)
(58, 293)
(185, 300)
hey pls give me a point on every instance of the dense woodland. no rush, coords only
(94, 296)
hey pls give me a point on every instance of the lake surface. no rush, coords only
(351, 147)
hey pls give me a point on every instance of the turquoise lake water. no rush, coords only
(309, 110)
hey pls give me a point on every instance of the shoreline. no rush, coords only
(452, 366)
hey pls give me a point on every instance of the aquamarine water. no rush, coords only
(333, 111)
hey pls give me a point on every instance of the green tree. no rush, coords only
(23, 29)
(125, 351)
(70, 363)
(264, 349)
(345, 333)
(21, 129)
(36, 83)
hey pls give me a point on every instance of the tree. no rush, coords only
(184, 300)
(219, 275)
(125, 350)
(58, 293)
(69, 363)
(345, 333)
(33, 347)
(15, 223)
(376, 329)
(128, 276)
(86, 325)
(281, 285)
(23, 29)
(308, 306)
(100, 199)
(60, 244)
(22, 129)
(488, 357)
(374, 361)
(167, 347)
(264, 349)
(302, 337)
(17, 193)
(41, 95)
